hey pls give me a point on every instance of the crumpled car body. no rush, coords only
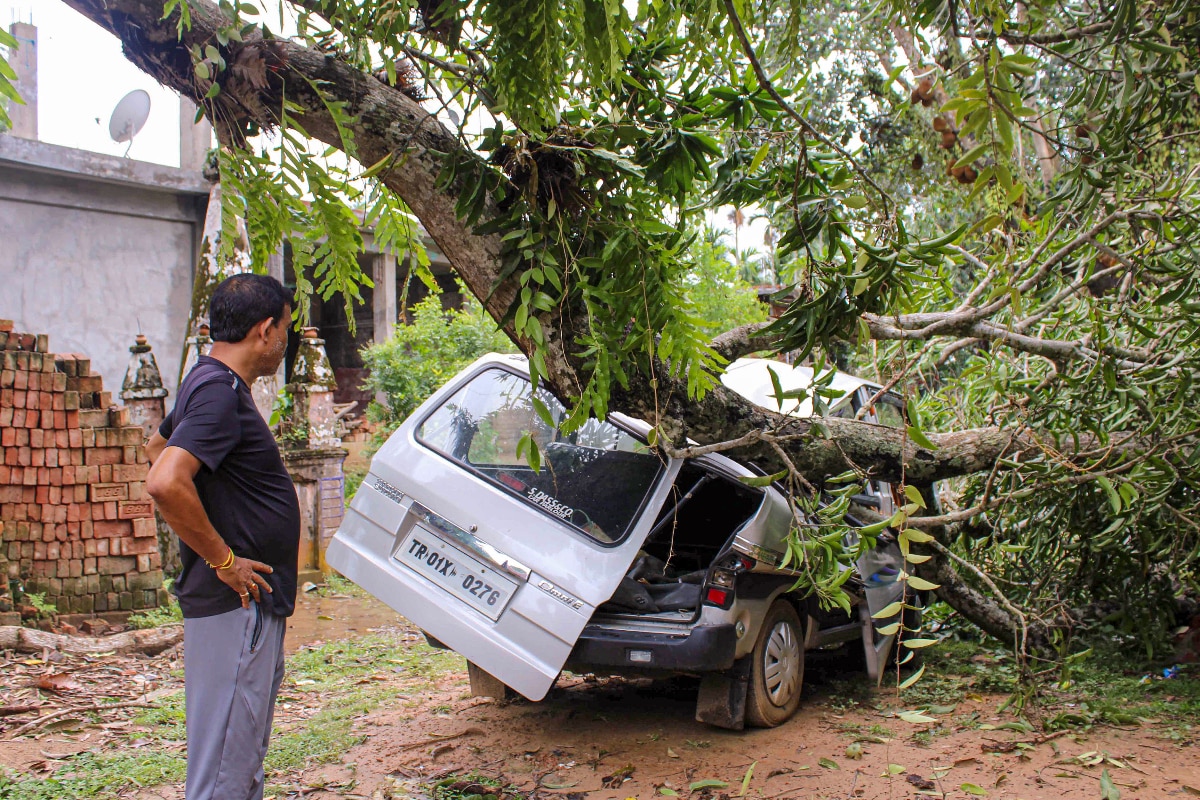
(608, 558)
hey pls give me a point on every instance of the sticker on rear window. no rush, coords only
(540, 498)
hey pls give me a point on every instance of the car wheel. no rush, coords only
(776, 668)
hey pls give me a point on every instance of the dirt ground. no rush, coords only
(621, 738)
(618, 738)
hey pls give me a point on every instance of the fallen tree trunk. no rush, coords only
(151, 641)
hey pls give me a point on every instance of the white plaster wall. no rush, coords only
(91, 264)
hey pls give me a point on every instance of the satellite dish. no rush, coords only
(129, 116)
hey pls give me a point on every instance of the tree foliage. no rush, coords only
(988, 205)
(428, 351)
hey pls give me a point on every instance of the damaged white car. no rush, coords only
(609, 559)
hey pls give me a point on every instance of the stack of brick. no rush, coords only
(78, 527)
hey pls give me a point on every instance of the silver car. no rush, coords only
(608, 559)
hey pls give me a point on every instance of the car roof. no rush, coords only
(751, 378)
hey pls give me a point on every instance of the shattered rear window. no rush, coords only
(594, 479)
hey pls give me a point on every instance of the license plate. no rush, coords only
(462, 575)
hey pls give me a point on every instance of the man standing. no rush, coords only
(221, 485)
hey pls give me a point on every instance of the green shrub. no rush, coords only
(423, 355)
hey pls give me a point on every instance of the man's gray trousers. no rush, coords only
(232, 664)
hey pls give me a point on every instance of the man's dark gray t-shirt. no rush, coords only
(243, 485)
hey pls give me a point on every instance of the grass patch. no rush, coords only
(337, 585)
(1108, 687)
(167, 722)
(335, 677)
(472, 786)
(94, 775)
(162, 615)
(339, 673)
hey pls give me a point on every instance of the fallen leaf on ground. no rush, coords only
(707, 783)
(617, 778)
(920, 782)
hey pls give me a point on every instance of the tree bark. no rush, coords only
(149, 641)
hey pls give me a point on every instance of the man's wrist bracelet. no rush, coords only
(226, 564)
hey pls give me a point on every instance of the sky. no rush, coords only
(81, 77)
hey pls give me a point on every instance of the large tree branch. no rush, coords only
(389, 125)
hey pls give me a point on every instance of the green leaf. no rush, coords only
(915, 717)
(856, 201)
(920, 584)
(760, 156)
(914, 535)
(1108, 790)
(971, 788)
(890, 610)
(543, 412)
(746, 779)
(1114, 499)
(971, 155)
(917, 644)
(707, 783)
(763, 480)
(665, 792)
(911, 679)
(775, 384)
(914, 495)
(920, 438)
(889, 630)
(828, 763)
(874, 528)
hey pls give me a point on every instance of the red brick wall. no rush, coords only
(78, 526)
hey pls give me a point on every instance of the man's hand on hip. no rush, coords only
(243, 577)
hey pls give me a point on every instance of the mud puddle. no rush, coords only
(323, 616)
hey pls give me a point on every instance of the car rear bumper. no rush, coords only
(707, 648)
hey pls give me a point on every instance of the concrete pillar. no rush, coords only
(313, 417)
(195, 138)
(383, 273)
(24, 63)
(321, 490)
(312, 455)
(146, 399)
(143, 391)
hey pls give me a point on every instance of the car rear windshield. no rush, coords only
(594, 479)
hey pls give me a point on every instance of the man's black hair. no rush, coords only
(242, 301)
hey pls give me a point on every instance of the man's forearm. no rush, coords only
(180, 506)
(155, 446)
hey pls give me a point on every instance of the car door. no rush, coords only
(501, 562)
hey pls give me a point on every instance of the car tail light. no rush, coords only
(717, 596)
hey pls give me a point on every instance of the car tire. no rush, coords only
(776, 668)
